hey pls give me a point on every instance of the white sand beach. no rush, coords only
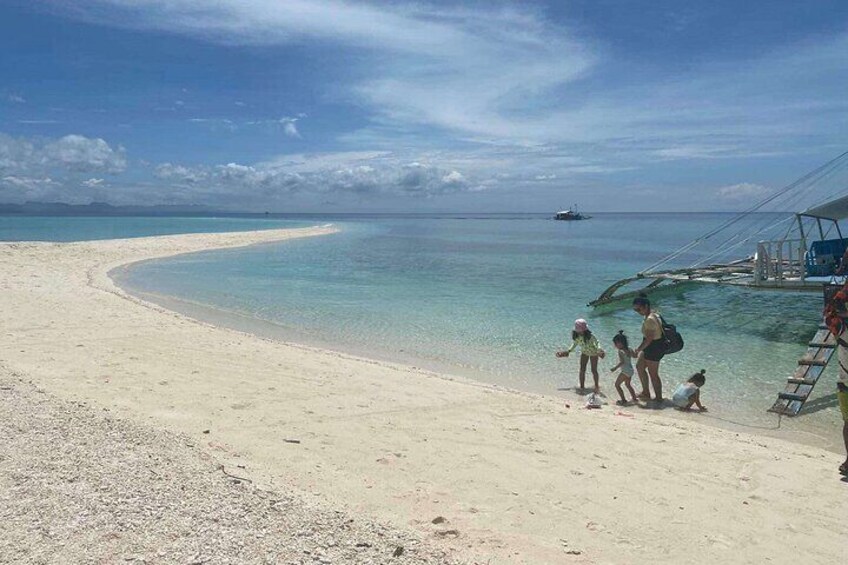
(511, 477)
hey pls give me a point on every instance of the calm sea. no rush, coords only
(83, 228)
(491, 297)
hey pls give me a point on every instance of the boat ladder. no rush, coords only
(810, 368)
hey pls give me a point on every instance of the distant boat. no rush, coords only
(570, 215)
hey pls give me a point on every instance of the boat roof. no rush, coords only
(835, 210)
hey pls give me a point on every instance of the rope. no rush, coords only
(741, 424)
(728, 248)
(767, 224)
(814, 176)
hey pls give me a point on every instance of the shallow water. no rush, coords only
(490, 297)
(86, 228)
(494, 298)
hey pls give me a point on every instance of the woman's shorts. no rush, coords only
(842, 394)
(655, 351)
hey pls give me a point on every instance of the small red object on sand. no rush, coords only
(620, 413)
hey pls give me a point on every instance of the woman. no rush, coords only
(835, 314)
(651, 350)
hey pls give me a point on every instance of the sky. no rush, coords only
(343, 106)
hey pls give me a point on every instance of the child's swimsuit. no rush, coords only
(589, 348)
(683, 394)
(626, 365)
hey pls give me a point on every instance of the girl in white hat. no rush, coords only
(590, 351)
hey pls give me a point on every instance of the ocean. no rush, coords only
(490, 297)
(85, 228)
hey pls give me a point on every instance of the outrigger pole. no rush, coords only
(778, 264)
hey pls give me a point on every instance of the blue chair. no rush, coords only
(824, 256)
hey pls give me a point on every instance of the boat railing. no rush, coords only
(780, 259)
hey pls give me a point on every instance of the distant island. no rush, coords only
(102, 209)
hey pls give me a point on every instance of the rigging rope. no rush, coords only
(725, 246)
(813, 176)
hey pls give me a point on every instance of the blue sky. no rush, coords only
(380, 106)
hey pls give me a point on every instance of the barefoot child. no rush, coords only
(590, 350)
(689, 393)
(624, 368)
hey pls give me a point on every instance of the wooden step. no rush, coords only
(810, 368)
(816, 356)
(810, 382)
(808, 372)
(786, 407)
(813, 362)
(824, 337)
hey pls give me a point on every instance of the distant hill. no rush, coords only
(100, 209)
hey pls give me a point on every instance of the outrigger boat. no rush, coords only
(570, 215)
(799, 252)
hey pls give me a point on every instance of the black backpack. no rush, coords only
(673, 339)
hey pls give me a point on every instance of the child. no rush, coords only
(590, 350)
(625, 368)
(689, 393)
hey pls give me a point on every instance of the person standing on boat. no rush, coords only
(835, 313)
(652, 349)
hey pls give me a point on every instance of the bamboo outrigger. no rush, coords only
(784, 264)
(798, 252)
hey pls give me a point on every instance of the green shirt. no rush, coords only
(589, 347)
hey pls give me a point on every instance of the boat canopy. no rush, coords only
(834, 210)
(769, 220)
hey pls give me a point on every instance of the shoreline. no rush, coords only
(519, 478)
(785, 428)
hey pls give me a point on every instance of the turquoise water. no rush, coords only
(491, 297)
(84, 228)
(495, 297)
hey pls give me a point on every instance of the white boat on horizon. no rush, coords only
(570, 215)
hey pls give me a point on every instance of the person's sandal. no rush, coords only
(843, 469)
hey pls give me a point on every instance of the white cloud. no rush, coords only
(289, 124)
(179, 173)
(314, 162)
(15, 98)
(289, 127)
(83, 154)
(453, 177)
(20, 188)
(39, 169)
(510, 76)
(38, 122)
(453, 67)
(28, 183)
(707, 151)
(16, 154)
(216, 123)
(73, 153)
(742, 191)
(350, 174)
